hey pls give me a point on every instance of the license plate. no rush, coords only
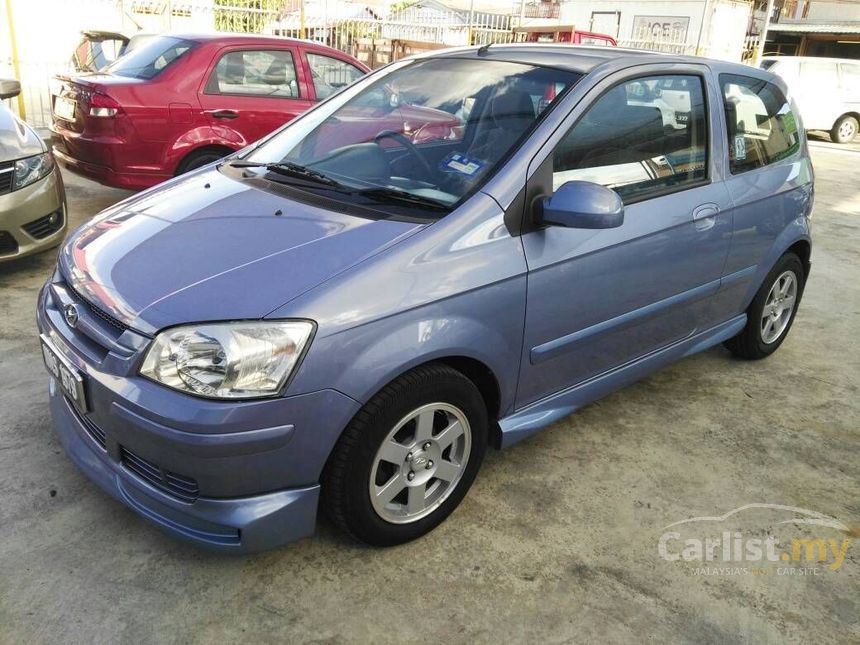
(70, 379)
(682, 117)
(65, 108)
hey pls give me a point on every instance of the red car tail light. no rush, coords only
(102, 105)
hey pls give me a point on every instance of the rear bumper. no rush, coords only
(101, 160)
(23, 213)
(237, 525)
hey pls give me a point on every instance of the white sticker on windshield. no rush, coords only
(457, 162)
(740, 147)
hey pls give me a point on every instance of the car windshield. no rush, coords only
(421, 137)
(148, 60)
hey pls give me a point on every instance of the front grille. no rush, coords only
(96, 433)
(96, 311)
(6, 172)
(173, 484)
(8, 244)
(45, 226)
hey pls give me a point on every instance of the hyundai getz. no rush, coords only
(346, 319)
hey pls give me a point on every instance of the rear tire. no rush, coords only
(200, 158)
(769, 317)
(845, 129)
(392, 478)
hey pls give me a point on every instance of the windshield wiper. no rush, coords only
(395, 195)
(291, 169)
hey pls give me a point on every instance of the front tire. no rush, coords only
(772, 311)
(845, 129)
(407, 458)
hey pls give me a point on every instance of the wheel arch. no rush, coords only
(213, 147)
(853, 113)
(795, 239)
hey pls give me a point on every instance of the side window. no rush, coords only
(761, 126)
(331, 74)
(640, 138)
(255, 73)
(850, 78)
(820, 74)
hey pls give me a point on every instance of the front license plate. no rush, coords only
(65, 108)
(70, 379)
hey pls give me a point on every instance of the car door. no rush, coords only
(601, 298)
(249, 92)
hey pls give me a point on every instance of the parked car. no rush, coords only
(348, 322)
(32, 198)
(826, 90)
(176, 103)
(564, 34)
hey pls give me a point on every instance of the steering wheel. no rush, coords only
(410, 148)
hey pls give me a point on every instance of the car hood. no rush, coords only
(209, 247)
(17, 139)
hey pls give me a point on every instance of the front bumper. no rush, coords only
(230, 476)
(33, 218)
(238, 525)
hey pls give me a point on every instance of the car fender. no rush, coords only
(194, 139)
(373, 355)
(796, 231)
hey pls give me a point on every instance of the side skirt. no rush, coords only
(534, 417)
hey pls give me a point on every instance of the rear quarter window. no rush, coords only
(152, 58)
(762, 128)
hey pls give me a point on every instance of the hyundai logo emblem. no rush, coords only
(71, 313)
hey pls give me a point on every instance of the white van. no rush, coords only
(827, 92)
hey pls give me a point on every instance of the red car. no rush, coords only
(180, 102)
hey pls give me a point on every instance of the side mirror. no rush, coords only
(9, 88)
(583, 204)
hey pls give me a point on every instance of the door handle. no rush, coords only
(223, 114)
(705, 210)
(705, 216)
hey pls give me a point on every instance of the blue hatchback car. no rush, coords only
(451, 253)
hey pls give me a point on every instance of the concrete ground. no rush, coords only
(557, 540)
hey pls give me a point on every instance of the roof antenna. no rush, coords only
(483, 49)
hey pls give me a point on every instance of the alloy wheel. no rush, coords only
(420, 462)
(778, 307)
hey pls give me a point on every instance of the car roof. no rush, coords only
(224, 38)
(576, 58)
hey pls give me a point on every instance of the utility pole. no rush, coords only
(471, 20)
(705, 16)
(16, 61)
(759, 50)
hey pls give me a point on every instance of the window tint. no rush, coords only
(330, 74)
(761, 125)
(641, 137)
(148, 60)
(256, 73)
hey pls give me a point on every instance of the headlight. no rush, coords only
(228, 360)
(32, 169)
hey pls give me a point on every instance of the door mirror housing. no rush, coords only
(582, 204)
(9, 88)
